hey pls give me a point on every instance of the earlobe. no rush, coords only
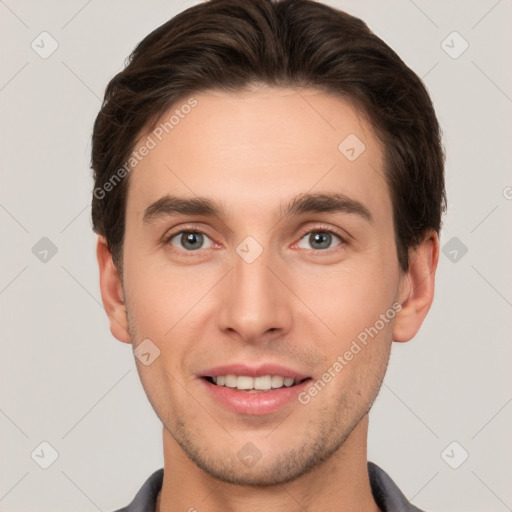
(112, 294)
(417, 290)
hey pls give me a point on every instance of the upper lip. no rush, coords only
(253, 371)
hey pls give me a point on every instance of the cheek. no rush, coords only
(170, 307)
(161, 296)
(356, 350)
(348, 299)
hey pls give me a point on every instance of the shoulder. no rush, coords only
(145, 499)
(386, 493)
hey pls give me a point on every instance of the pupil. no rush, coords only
(190, 239)
(317, 237)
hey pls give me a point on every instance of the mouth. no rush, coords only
(259, 384)
(254, 391)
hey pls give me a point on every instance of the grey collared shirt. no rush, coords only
(387, 495)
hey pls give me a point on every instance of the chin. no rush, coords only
(249, 467)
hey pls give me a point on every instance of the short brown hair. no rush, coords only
(232, 44)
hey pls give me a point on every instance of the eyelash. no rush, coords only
(317, 229)
(325, 229)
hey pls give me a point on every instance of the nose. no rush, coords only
(255, 302)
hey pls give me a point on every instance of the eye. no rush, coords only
(320, 239)
(190, 240)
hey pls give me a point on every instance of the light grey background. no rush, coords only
(66, 381)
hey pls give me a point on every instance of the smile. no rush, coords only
(254, 384)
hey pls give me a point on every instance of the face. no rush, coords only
(259, 252)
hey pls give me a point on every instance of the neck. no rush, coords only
(339, 483)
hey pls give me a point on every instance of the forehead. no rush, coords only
(251, 148)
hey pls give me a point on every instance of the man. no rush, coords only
(268, 196)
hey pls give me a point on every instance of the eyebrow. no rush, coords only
(170, 205)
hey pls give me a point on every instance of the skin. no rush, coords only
(299, 304)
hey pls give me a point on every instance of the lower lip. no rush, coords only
(256, 404)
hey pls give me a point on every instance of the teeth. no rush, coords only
(263, 383)
(277, 381)
(244, 382)
(231, 381)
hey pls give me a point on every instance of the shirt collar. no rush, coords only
(386, 493)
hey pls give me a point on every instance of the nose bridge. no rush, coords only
(254, 299)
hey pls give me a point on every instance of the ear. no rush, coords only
(112, 294)
(417, 288)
